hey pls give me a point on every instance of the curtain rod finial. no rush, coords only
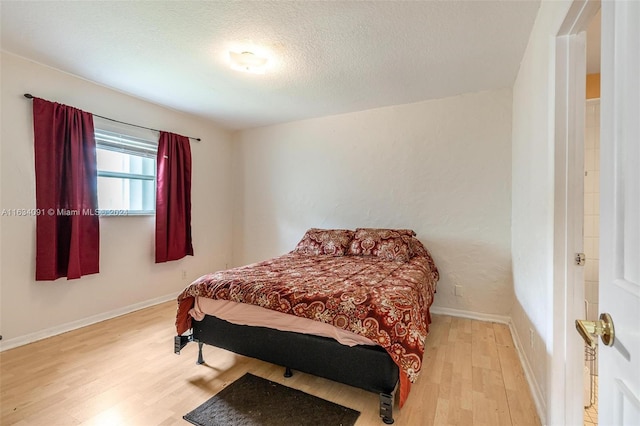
(28, 95)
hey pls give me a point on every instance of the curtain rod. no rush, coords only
(30, 96)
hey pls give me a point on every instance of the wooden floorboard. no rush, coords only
(123, 372)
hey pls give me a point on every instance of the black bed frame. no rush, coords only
(366, 367)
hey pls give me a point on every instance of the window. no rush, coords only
(126, 173)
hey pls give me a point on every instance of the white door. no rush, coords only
(619, 365)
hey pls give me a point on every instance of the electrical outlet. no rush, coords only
(531, 337)
(184, 274)
(458, 290)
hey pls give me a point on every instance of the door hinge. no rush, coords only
(580, 259)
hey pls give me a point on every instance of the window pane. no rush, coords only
(126, 194)
(113, 161)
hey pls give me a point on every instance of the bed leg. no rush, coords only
(180, 342)
(287, 372)
(200, 358)
(386, 408)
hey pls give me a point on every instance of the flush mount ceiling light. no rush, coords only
(248, 62)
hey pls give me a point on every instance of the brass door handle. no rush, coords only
(603, 328)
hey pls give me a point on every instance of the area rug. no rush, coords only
(254, 401)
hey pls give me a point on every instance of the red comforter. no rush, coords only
(385, 301)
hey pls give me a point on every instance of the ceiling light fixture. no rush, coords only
(248, 62)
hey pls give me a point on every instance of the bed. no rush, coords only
(365, 295)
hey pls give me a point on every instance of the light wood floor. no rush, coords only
(123, 372)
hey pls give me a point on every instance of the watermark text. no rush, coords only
(62, 212)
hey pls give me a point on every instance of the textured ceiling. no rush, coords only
(327, 57)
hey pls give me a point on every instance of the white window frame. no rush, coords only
(131, 145)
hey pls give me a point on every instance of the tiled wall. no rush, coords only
(592, 206)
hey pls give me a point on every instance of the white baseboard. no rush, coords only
(534, 387)
(73, 325)
(502, 319)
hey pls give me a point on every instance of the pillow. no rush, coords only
(417, 248)
(388, 244)
(334, 242)
(409, 232)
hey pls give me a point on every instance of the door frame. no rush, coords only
(565, 377)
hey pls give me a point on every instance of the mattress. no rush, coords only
(244, 314)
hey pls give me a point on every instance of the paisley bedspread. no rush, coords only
(385, 301)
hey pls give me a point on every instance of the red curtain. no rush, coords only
(67, 231)
(173, 198)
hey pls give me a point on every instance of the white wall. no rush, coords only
(532, 204)
(129, 277)
(442, 168)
